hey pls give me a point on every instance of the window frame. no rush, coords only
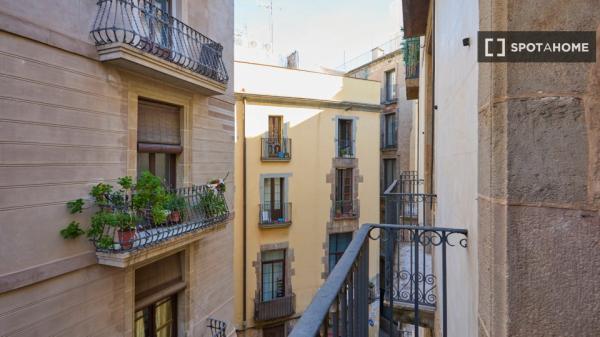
(151, 318)
(337, 254)
(390, 86)
(264, 262)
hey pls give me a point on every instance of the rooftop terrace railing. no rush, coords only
(144, 26)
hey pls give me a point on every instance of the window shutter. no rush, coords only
(158, 123)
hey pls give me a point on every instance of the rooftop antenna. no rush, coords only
(268, 5)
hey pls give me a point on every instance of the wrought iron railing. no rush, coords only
(276, 308)
(341, 308)
(200, 208)
(388, 94)
(142, 25)
(411, 52)
(276, 149)
(345, 209)
(345, 148)
(216, 327)
(274, 215)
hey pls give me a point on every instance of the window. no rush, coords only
(337, 246)
(273, 200)
(390, 85)
(158, 319)
(275, 127)
(345, 139)
(389, 172)
(159, 140)
(273, 274)
(344, 192)
(390, 136)
(275, 146)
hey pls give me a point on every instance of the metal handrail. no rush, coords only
(142, 25)
(343, 299)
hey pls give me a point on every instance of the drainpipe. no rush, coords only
(244, 244)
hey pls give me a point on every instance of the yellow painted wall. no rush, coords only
(312, 130)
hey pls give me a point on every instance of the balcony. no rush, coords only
(271, 217)
(341, 306)
(412, 47)
(276, 149)
(345, 209)
(388, 95)
(198, 209)
(345, 148)
(140, 37)
(276, 308)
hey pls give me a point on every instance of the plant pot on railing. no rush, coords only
(126, 238)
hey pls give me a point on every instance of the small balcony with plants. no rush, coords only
(345, 148)
(276, 149)
(145, 38)
(411, 50)
(145, 216)
(275, 216)
(345, 209)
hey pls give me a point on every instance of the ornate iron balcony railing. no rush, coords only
(278, 149)
(341, 308)
(275, 215)
(201, 207)
(142, 25)
(412, 48)
(275, 308)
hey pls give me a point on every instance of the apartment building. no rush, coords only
(308, 146)
(511, 151)
(94, 91)
(387, 67)
(508, 154)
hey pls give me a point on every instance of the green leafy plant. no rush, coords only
(105, 242)
(126, 183)
(101, 193)
(72, 231)
(212, 204)
(175, 203)
(149, 192)
(75, 206)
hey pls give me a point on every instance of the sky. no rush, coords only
(324, 32)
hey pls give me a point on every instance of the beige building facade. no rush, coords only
(397, 111)
(97, 90)
(511, 151)
(308, 146)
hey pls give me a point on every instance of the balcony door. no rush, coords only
(273, 197)
(344, 190)
(273, 274)
(345, 139)
(159, 140)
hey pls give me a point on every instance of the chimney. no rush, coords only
(376, 53)
(293, 60)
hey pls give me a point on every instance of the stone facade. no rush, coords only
(514, 149)
(69, 121)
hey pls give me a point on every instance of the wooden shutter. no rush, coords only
(158, 123)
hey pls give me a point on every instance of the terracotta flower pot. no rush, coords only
(126, 238)
(175, 217)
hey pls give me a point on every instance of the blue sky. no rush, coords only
(321, 30)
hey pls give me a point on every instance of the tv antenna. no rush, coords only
(268, 5)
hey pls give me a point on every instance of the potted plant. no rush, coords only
(150, 198)
(176, 207)
(125, 224)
